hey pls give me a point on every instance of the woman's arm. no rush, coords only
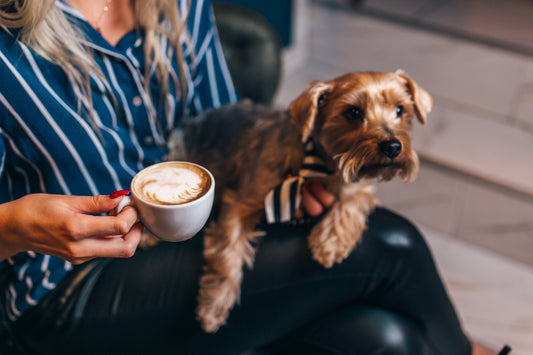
(65, 226)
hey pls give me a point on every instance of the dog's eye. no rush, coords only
(399, 111)
(354, 114)
(321, 100)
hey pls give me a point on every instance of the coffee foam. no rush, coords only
(172, 183)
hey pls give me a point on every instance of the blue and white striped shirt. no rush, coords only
(46, 145)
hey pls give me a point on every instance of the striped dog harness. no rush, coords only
(282, 202)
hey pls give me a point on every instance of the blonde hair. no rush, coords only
(45, 29)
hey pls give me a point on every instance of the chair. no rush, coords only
(252, 49)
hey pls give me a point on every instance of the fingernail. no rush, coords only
(117, 194)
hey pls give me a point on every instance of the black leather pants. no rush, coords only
(385, 298)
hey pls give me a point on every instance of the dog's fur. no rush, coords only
(250, 149)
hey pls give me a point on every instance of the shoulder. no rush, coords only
(194, 7)
(12, 61)
(199, 16)
(9, 47)
(8, 60)
(8, 37)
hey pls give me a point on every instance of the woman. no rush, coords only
(89, 91)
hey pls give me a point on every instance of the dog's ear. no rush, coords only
(304, 108)
(423, 101)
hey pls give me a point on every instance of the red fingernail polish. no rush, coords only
(119, 193)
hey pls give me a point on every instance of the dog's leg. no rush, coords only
(228, 247)
(337, 234)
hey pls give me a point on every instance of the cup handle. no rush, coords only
(126, 201)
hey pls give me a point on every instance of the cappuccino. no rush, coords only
(171, 183)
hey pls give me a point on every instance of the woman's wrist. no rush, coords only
(8, 245)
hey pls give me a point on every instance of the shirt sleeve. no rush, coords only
(2, 152)
(5, 184)
(213, 83)
(3, 263)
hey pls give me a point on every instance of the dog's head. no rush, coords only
(362, 121)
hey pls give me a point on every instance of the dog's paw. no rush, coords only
(217, 296)
(327, 247)
(211, 317)
(337, 234)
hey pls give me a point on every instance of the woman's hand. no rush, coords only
(315, 200)
(65, 226)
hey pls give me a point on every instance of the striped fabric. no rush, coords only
(282, 202)
(47, 145)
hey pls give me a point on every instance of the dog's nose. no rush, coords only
(391, 148)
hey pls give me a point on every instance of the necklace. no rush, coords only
(105, 10)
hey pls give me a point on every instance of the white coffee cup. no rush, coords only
(169, 209)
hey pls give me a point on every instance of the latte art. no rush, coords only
(172, 186)
(172, 183)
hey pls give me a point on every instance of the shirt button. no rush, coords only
(137, 101)
(148, 139)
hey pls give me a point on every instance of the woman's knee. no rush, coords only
(398, 336)
(378, 331)
(356, 330)
(394, 233)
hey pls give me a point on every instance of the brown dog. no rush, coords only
(359, 124)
